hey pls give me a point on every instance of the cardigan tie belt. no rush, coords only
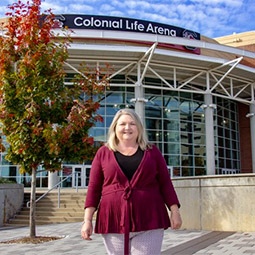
(127, 193)
(125, 215)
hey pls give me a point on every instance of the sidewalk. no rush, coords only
(179, 242)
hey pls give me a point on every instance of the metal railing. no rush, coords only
(58, 185)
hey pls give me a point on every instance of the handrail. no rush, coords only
(55, 186)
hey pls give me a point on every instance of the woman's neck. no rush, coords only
(127, 144)
(127, 148)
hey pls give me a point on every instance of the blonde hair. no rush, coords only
(112, 141)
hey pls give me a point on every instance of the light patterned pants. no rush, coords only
(140, 243)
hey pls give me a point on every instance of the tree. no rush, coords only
(44, 121)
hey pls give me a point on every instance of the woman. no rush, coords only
(130, 182)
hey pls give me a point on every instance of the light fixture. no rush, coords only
(134, 100)
(250, 115)
(214, 106)
(205, 106)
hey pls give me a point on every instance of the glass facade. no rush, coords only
(115, 98)
(227, 134)
(174, 121)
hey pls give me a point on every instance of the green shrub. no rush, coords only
(4, 181)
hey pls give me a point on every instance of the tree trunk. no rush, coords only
(32, 205)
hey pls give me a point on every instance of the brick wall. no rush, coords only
(245, 138)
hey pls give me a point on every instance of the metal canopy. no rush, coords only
(179, 71)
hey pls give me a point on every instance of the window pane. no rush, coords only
(187, 149)
(171, 148)
(186, 137)
(154, 135)
(171, 136)
(186, 126)
(172, 160)
(153, 123)
(171, 125)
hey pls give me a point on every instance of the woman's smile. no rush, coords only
(126, 129)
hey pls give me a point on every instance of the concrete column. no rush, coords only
(252, 125)
(209, 131)
(139, 95)
(53, 179)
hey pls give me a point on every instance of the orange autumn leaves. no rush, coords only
(44, 121)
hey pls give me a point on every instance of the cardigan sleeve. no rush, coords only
(96, 179)
(166, 186)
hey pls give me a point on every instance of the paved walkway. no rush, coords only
(179, 242)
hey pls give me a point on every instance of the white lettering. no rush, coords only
(97, 23)
(172, 32)
(133, 25)
(87, 22)
(160, 30)
(116, 24)
(127, 25)
(150, 28)
(76, 21)
(141, 27)
(105, 23)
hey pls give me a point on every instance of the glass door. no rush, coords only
(78, 177)
(81, 176)
(87, 172)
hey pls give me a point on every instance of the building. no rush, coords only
(195, 96)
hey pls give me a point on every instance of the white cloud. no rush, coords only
(56, 8)
(81, 8)
(232, 3)
(106, 7)
(117, 13)
(209, 17)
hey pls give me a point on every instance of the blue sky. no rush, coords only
(212, 18)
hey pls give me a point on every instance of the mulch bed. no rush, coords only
(35, 240)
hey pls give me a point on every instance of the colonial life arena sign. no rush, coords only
(73, 21)
(124, 24)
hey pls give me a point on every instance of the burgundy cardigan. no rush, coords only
(134, 206)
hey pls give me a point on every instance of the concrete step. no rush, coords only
(51, 218)
(47, 211)
(55, 213)
(55, 205)
(56, 193)
(64, 197)
(25, 222)
(54, 210)
(62, 200)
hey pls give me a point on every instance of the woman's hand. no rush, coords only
(176, 220)
(86, 230)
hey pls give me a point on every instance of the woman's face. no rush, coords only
(126, 129)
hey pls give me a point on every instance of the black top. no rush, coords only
(129, 164)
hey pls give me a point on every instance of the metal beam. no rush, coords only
(121, 70)
(253, 92)
(240, 91)
(149, 59)
(143, 57)
(160, 77)
(227, 63)
(76, 70)
(230, 69)
(190, 79)
(220, 84)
